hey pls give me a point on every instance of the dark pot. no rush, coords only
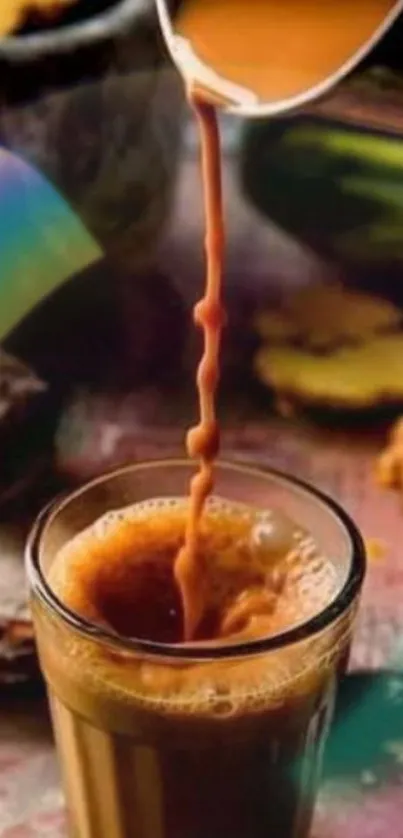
(96, 106)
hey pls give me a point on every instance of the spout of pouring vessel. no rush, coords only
(260, 58)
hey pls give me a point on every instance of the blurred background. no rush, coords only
(101, 232)
(101, 244)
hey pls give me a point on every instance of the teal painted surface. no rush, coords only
(42, 241)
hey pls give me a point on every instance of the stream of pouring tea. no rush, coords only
(273, 50)
(203, 439)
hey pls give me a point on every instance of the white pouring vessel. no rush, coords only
(237, 100)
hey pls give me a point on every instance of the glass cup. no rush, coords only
(238, 753)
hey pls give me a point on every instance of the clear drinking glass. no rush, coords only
(229, 760)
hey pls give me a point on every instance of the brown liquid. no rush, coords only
(278, 49)
(203, 440)
(261, 574)
(275, 49)
(228, 748)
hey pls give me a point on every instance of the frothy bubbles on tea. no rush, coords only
(262, 573)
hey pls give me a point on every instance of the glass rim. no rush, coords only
(200, 650)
